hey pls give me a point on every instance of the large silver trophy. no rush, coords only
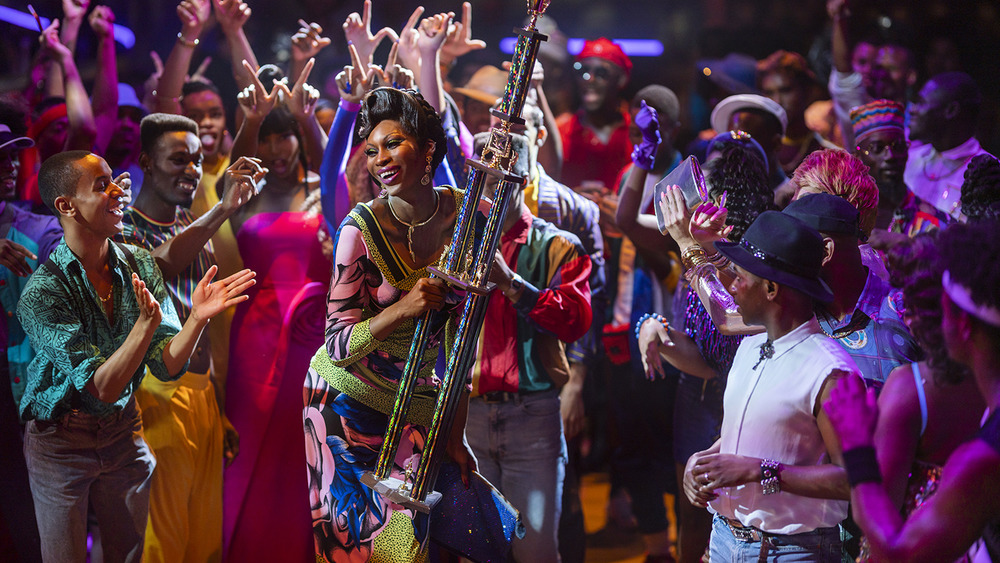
(465, 264)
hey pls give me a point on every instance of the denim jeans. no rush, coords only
(822, 546)
(81, 459)
(520, 449)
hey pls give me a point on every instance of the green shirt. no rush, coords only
(72, 337)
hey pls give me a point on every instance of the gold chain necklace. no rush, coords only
(104, 300)
(411, 226)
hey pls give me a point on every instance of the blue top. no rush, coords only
(39, 234)
(874, 334)
(72, 337)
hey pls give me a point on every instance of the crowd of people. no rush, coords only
(791, 323)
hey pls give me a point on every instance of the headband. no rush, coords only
(48, 116)
(962, 297)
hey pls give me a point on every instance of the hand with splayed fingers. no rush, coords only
(460, 41)
(302, 98)
(308, 41)
(356, 79)
(358, 31)
(256, 100)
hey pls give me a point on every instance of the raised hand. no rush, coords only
(13, 256)
(460, 41)
(241, 181)
(232, 15)
(194, 15)
(199, 73)
(708, 224)
(102, 21)
(356, 79)
(124, 182)
(52, 45)
(302, 97)
(394, 74)
(838, 9)
(255, 99)
(153, 82)
(644, 154)
(358, 31)
(676, 216)
(308, 41)
(409, 55)
(75, 9)
(211, 298)
(149, 307)
(433, 32)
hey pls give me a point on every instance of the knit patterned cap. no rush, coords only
(880, 115)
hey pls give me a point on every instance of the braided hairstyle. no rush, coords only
(740, 174)
(411, 110)
(916, 266)
(981, 189)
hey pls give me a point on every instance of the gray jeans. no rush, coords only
(81, 460)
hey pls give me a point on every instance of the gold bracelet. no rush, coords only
(692, 256)
(186, 42)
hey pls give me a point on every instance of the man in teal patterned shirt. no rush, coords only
(93, 314)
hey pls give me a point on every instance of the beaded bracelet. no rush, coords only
(187, 42)
(659, 318)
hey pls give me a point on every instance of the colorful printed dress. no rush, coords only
(349, 391)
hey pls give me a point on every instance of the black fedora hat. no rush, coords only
(827, 213)
(783, 249)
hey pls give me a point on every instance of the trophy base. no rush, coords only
(398, 492)
(460, 283)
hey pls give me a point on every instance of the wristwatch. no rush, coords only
(770, 476)
(516, 284)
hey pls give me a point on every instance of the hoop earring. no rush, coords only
(427, 173)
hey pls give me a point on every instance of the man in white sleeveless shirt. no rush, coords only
(773, 479)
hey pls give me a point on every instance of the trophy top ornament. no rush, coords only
(537, 7)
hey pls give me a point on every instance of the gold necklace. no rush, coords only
(411, 226)
(104, 300)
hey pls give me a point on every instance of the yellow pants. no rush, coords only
(182, 426)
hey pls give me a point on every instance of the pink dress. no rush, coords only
(265, 493)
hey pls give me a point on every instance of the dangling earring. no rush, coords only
(427, 173)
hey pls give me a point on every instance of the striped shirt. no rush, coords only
(144, 232)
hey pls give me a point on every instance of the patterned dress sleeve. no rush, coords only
(355, 279)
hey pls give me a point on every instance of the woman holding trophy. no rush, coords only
(380, 287)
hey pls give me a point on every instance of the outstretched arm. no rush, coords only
(105, 104)
(82, 129)
(193, 15)
(209, 299)
(232, 16)
(177, 253)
